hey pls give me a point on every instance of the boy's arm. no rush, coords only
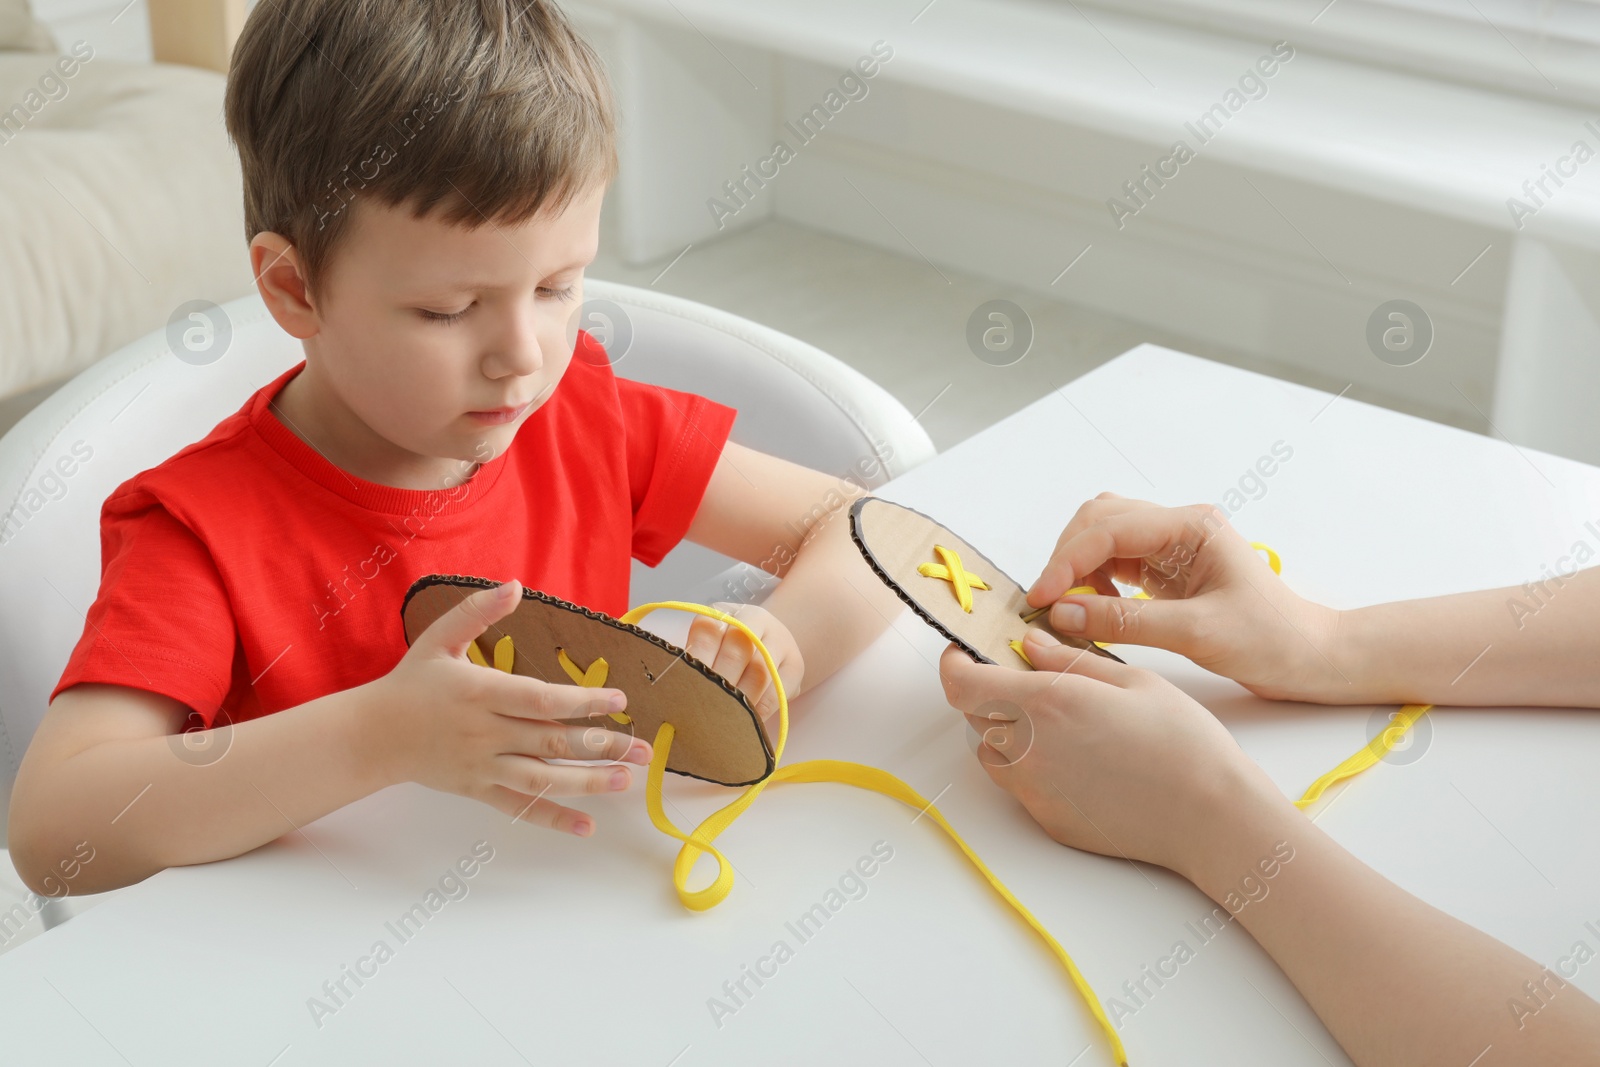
(108, 766)
(794, 522)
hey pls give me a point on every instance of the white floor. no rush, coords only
(896, 319)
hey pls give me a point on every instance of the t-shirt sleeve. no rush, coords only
(674, 440)
(162, 620)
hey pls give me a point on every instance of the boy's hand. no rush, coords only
(726, 650)
(443, 721)
(1213, 599)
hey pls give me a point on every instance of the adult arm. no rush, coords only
(1114, 759)
(1216, 601)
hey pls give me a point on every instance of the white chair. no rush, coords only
(141, 404)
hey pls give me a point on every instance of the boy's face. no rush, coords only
(441, 339)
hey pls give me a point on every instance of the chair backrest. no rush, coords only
(138, 406)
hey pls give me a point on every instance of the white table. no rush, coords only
(577, 951)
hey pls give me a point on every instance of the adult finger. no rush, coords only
(1116, 531)
(1089, 512)
(1132, 535)
(969, 685)
(1001, 771)
(1007, 732)
(1168, 624)
(1003, 728)
(1051, 656)
(1092, 511)
(1007, 725)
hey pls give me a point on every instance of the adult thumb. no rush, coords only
(453, 631)
(1127, 620)
(1046, 653)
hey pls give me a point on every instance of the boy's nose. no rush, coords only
(519, 352)
(525, 357)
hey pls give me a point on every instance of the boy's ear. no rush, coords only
(276, 267)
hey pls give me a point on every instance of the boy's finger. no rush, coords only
(734, 657)
(535, 777)
(453, 631)
(753, 682)
(521, 807)
(705, 635)
(766, 704)
(597, 742)
(528, 698)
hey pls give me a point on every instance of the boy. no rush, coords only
(422, 185)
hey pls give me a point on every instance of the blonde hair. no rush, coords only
(486, 110)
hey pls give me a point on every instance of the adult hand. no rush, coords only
(1213, 598)
(1106, 757)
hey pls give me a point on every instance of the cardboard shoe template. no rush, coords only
(720, 737)
(903, 546)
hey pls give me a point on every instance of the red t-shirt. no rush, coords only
(249, 573)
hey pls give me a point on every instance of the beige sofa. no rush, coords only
(119, 192)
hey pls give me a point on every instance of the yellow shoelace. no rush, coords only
(822, 770)
(699, 841)
(951, 570)
(964, 581)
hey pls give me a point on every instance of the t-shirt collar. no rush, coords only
(447, 499)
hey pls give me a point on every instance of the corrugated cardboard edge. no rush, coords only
(888, 579)
(466, 581)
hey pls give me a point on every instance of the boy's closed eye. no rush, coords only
(563, 294)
